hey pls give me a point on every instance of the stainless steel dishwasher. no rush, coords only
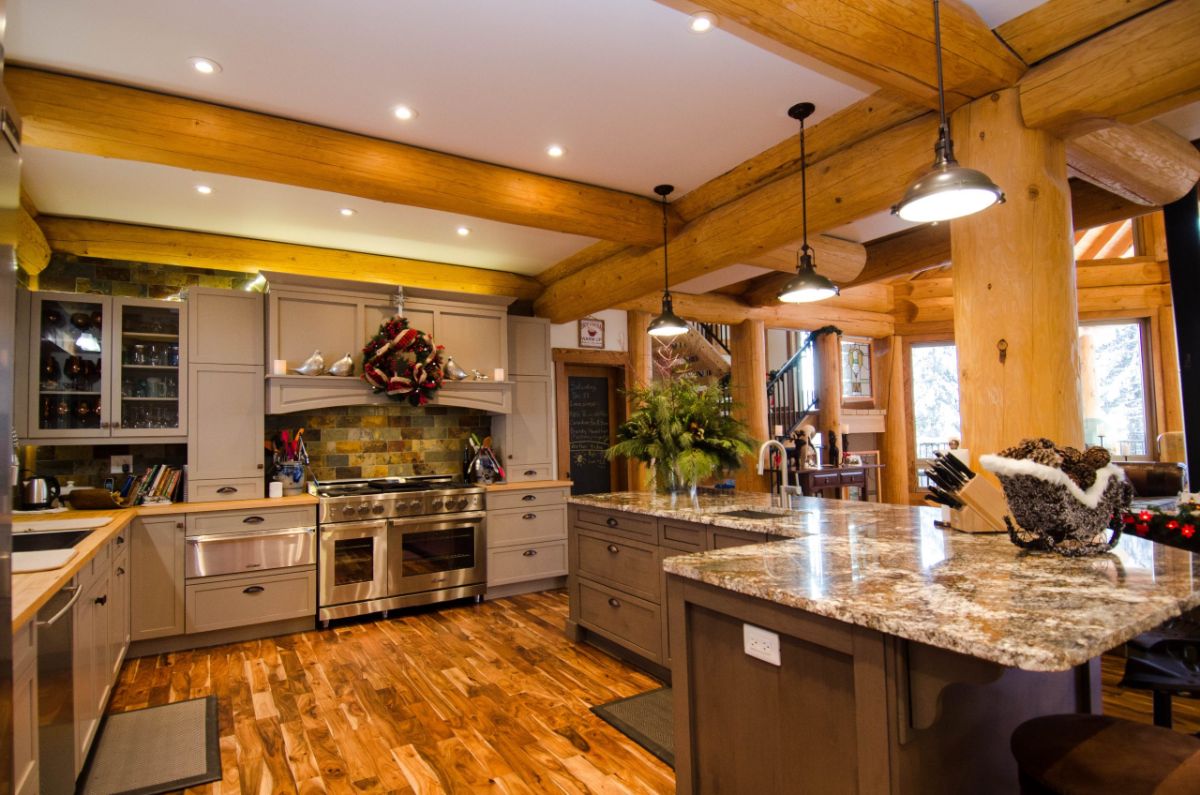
(56, 689)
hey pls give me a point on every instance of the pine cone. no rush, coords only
(1097, 457)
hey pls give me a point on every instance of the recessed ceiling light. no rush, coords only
(404, 113)
(701, 22)
(463, 231)
(203, 189)
(205, 66)
(346, 211)
(554, 150)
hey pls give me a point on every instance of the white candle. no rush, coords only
(498, 374)
(279, 367)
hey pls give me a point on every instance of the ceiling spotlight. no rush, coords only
(701, 22)
(203, 190)
(554, 150)
(404, 113)
(346, 211)
(205, 66)
(463, 231)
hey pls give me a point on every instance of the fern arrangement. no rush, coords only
(681, 430)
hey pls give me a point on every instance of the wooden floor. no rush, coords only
(488, 698)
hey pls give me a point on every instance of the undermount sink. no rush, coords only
(749, 513)
(40, 542)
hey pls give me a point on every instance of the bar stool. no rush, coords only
(1166, 661)
(1102, 755)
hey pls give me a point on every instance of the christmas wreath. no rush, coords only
(403, 362)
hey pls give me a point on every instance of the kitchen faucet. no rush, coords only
(762, 463)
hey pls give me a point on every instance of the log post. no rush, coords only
(748, 386)
(638, 374)
(894, 454)
(1015, 305)
(828, 350)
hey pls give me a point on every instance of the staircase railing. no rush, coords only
(789, 399)
(716, 333)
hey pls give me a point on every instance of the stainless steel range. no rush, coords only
(388, 543)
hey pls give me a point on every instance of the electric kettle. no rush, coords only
(39, 493)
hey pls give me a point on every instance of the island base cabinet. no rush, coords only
(848, 710)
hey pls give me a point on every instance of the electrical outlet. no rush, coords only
(761, 644)
(120, 464)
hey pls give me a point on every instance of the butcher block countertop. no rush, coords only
(891, 569)
(31, 591)
(529, 484)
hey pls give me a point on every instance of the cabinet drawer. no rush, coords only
(521, 526)
(527, 562)
(854, 478)
(532, 498)
(627, 565)
(232, 489)
(723, 538)
(632, 622)
(259, 519)
(523, 473)
(618, 521)
(239, 601)
(690, 537)
(824, 481)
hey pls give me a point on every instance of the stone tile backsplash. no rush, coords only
(89, 465)
(68, 273)
(385, 440)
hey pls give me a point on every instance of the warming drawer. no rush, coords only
(240, 553)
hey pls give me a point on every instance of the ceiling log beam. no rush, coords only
(88, 116)
(33, 251)
(1056, 25)
(886, 42)
(1147, 164)
(714, 308)
(110, 240)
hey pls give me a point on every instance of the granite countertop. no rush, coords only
(889, 568)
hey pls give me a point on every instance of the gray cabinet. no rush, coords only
(225, 326)
(92, 675)
(25, 710)
(156, 572)
(527, 539)
(118, 598)
(527, 434)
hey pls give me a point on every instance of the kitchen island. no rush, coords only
(907, 653)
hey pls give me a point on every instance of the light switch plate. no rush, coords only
(761, 644)
(120, 464)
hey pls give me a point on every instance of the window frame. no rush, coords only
(1150, 375)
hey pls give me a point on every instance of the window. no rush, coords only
(1115, 397)
(935, 402)
(856, 369)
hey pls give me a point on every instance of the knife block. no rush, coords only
(968, 520)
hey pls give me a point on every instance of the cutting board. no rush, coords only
(47, 525)
(42, 560)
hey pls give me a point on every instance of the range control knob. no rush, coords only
(377, 509)
(436, 504)
(348, 509)
(461, 503)
(363, 510)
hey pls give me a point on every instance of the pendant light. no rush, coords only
(807, 285)
(667, 324)
(948, 190)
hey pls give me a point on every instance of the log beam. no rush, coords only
(33, 252)
(88, 116)
(717, 308)
(887, 42)
(1147, 164)
(1056, 25)
(109, 240)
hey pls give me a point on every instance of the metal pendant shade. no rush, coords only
(807, 285)
(667, 324)
(949, 190)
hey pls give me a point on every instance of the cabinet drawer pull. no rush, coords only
(260, 466)
(530, 553)
(227, 490)
(105, 425)
(120, 570)
(611, 521)
(120, 539)
(529, 498)
(253, 589)
(102, 600)
(613, 548)
(179, 525)
(614, 602)
(530, 472)
(529, 516)
(253, 520)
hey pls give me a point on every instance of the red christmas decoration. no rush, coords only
(403, 362)
(1189, 530)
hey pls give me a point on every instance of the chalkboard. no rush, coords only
(588, 429)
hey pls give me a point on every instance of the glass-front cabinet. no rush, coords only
(105, 368)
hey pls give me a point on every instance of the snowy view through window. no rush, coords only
(935, 397)
(1114, 392)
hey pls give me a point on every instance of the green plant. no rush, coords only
(681, 429)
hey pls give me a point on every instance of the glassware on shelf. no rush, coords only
(50, 372)
(137, 355)
(73, 369)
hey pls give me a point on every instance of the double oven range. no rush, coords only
(388, 543)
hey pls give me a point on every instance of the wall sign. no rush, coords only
(591, 333)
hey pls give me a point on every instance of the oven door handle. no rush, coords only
(295, 531)
(473, 517)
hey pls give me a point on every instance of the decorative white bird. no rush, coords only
(343, 366)
(313, 365)
(453, 371)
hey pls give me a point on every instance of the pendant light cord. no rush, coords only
(666, 279)
(945, 145)
(805, 248)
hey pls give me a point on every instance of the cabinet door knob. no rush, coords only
(613, 548)
(227, 490)
(253, 589)
(611, 521)
(104, 424)
(529, 553)
(120, 539)
(102, 600)
(613, 602)
(116, 424)
(179, 525)
(260, 466)
(529, 516)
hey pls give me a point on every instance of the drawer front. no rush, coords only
(217, 490)
(825, 481)
(527, 562)
(251, 520)
(723, 538)
(547, 523)
(240, 601)
(524, 473)
(690, 537)
(626, 565)
(632, 622)
(630, 524)
(24, 646)
(533, 498)
(239, 553)
(854, 478)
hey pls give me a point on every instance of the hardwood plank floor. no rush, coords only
(488, 698)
